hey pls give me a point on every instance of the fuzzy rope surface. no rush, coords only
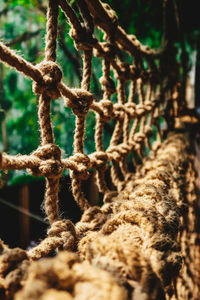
(141, 243)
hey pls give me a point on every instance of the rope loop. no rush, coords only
(81, 103)
(52, 76)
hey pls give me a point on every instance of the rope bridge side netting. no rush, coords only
(143, 242)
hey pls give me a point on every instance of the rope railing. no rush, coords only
(152, 95)
(48, 83)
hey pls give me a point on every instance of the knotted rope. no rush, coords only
(136, 243)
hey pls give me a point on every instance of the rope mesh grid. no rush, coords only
(152, 95)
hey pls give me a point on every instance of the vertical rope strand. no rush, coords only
(51, 199)
(51, 30)
(47, 136)
(100, 173)
(99, 133)
(79, 134)
(117, 134)
(87, 69)
(79, 148)
(46, 130)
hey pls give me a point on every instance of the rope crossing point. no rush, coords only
(142, 210)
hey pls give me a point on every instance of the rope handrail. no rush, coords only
(47, 82)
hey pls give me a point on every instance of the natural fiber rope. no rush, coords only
(135, 237)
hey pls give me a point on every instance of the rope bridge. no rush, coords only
(143, 243)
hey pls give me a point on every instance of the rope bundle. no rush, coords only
(132, 246)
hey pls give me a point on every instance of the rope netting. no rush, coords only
(143, 243)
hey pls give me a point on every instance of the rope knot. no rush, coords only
(81, 158)
(113, 153)
(107, 84)
(83, 164)
(80, 104)
(139, 137)
(99, 159)
(48, 151)
(107, 50)
(59, 226)
(83, 40)
(52, 76)
(149, 105)
(110, 49)
(107, 108)
(132, 37)
(50, 164)
(124, 72)
(113, 18)
(119, 110)
(64, 229)
(140, 109)
(130, 109)
(117, 152)
(51, 168)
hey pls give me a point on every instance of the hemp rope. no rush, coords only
(136, 236)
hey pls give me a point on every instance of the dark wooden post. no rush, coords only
(93, 191)
(24, 219)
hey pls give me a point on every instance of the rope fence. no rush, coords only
(136, 245)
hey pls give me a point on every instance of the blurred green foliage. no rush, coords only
(18, 104)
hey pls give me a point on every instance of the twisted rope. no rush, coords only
(149, 233)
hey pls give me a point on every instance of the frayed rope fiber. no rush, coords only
(144, 241)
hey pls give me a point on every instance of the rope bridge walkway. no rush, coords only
(143, 243)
